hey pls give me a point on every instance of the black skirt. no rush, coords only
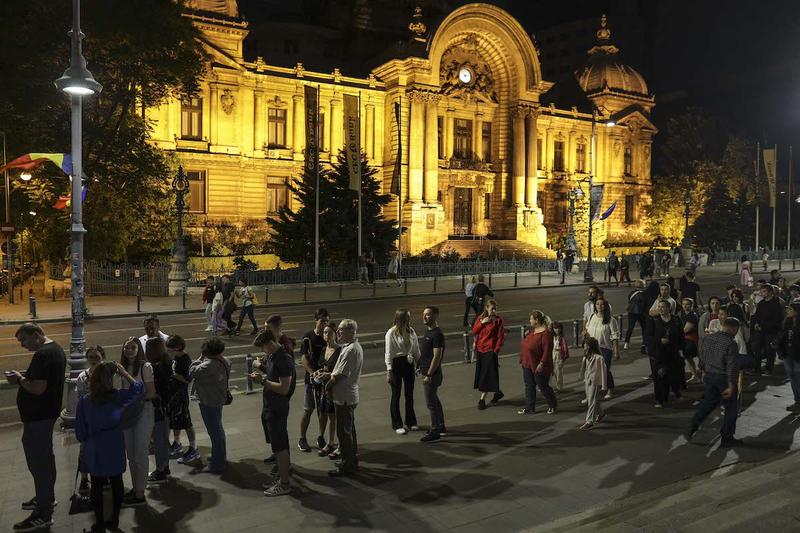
(487, 372)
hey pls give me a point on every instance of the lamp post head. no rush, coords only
(25, 176)
(77, 80)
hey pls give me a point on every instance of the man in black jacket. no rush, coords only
(766, 324)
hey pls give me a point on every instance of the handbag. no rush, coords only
(79, 503)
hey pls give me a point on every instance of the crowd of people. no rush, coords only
(128, 408)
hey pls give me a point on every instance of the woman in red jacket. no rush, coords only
(490, 333)
(536, 358)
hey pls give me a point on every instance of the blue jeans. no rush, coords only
(607, 357)
(434, 405)
(37, 443)
(793, 373)
(212, 418)
(712, 396)
(161, 443)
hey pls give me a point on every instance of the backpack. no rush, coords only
(636, 303)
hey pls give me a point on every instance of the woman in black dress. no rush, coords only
(665, 335)
(324, 401)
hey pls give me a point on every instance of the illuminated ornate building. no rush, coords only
(489, 147)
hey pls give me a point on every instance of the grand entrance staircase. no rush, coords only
(501, 248)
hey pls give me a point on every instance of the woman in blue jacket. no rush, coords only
(97, 426)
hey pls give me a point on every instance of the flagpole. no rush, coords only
(360, 185)
(789, 205)
(758, 199)
(774, 200)
(316, 194)
(400, 181)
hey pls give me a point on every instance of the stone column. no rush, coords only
(448, 133)
(531, 176)
(572, 144)
(369, 131)
(416, 147)
(549, 149)
(298, 125)
(431, 149)
(260, 121)
(518, 161)
(477, 135)
(337, 127)
(213, 103)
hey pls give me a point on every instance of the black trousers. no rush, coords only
(98, 482)
(532, 381)
(762, 350)
(402, 382)
(632, 321)
(467, 308)
(247, 310)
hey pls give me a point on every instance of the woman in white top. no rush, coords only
(393, 268)
(402, 353)
(469, 293)
(605, 328)
(137, 436)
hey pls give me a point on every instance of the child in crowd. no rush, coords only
(560, 353)
(178, 408)
(593, 371)
(94, 356)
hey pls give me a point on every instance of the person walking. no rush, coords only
(766, 324)
(400, 356)
(39, 394)
(711, 314)
(605, 328)
(209, 291)
(211, 374)
(690, 289)
(787, 345)
(155, 352)
(560, 353)
(152, 330)
(138, 430)
(624, 270)
(342, 381)
(363, 275)
(430, 368)
(326, 409)
(676, 256)
(746, 272)
(371, 267)
(593, 371)
(94, 356)
(490, 334)
(480, 294)
(665, 345)
(180, 418)
(469, 294)
(98, 429)
(228, 304)
(246, 298)
(560, 262)
(718, 361)
(613, 266)
(664, 290)
(277, 375)
(393, 269)
(536, 359)
(689, 324)
(311, 351)
(636, 312)
(593, 293)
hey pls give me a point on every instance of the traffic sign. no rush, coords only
(4, 247)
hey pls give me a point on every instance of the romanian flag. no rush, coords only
(65, 200)
(35, 160)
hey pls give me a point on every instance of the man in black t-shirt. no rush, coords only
(39, 402)
(431, 350)
(690, 289)
(277, 374)
(312, 349)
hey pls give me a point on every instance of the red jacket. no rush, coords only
(537, 348)
(489, 337)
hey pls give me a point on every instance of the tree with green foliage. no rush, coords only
(292, 231)
(142, 53)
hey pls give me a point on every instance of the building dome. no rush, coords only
(605, 71)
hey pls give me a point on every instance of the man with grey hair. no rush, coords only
(39, 396)
(342, 381)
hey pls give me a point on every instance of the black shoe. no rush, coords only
(30, 505)
(481, 405)
(130, 500)
(34, 523)
(690, 433)
(303, 445)
(157, 477)
(320, 442)
(731, 443)
(430, 436)
(497, 396)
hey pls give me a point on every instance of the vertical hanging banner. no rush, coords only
(769, 166)
(398, 164)
(312, 129)
(352, 130)
(595, 201)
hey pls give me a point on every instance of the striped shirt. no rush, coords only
(718, 355)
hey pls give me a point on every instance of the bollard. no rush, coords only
(405, 286)
(463, 282)
(515, 278)
(605, 274)
(793, 267)
(467, 348)
(340, 291)
(540, 276)
(490, 279)
(305, 292)
(183, 298)
(249, 362)
(619, 321)
(563, 276)
(32, 306)
(522, 332)
(434, 283)
(373, 288)
(576, 324)
(138, 298)
(53, 291)
(266, 294)
(737, 268)
(20, 294)
(780, 263)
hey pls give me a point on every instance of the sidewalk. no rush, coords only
(494, 471)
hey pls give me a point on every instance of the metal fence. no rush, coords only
(755, 255)
(121, 279)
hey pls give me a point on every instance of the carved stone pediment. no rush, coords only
(464, 55)
(472, 180)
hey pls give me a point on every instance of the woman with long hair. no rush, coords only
(94, 356)
(401, 355)
(97, 427)
(787, 344)
(536, 358)
(593, 371)
(707, 317)
(665, 343)
(324, 400)
(560, 353)
(746, 272)
(605, 328)
(156, 354)
(490, 334)
(139, 431)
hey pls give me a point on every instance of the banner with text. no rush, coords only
(312, 129)
(770, 162)
(352, 130)
(595, 201)
(398, 164)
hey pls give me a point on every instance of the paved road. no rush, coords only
(373, 317)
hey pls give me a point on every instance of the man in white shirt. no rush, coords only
(663, 295)
(152, 331)
(343, 384)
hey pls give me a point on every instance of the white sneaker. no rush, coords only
(625, 346)
(209, 328)
(401, 431)
(584, 401)
(608, 396)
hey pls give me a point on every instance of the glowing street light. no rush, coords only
(25, 176)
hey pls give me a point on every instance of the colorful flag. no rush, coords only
(398, 164)
(607, 212)
(352, 129)
(312, 129)
(35, 160)
(770, 162)
(65, 200)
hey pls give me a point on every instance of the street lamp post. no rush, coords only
(178, 273)
(77, 82)
(588, 275)
(9, 235)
